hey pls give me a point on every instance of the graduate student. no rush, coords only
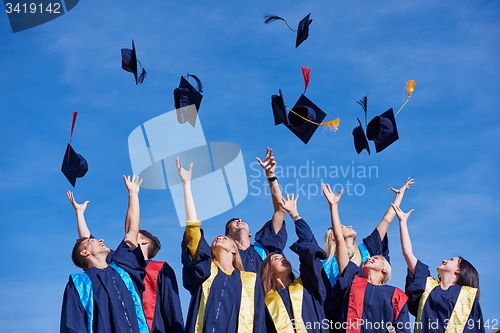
(375, 243)
(364, 301)
(450, 304)
(160, 299)
(105, 297)
(272, 236)
(295, 304)
(224, 298)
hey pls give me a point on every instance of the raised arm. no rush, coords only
(333, 201)
(133, 217)
(81, 224)
(193, 232)
(406, 247)
(383, 226)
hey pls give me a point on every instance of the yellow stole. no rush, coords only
(461, 310)
(278, 312)
(245, 318)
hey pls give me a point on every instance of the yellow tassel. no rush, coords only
(332, 125)
(410, 85)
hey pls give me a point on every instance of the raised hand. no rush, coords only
(76, 206)
(406, 186)
(185, 175)
(402, 216)
(330, 196)
(133, 185)
(290, 203)
(269, 164)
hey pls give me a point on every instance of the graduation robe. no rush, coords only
(435, 309)
(161, 302)
(226, 302)
(114, 308)
(372, 306)
(266, 241)
(300, 305)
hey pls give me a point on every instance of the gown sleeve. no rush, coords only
(132, 261)
(310, 255)
(195, 272)
(73, 316)
(401, 323)
(415, 286)
(170, 307)
(270, 240)
(377, 246)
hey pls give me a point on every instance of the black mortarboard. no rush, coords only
(360, 141)
(382, 130)
(129, 63)
(303, 30)
(279, 110)
(73, 165)
(302, 128)
(186, 95)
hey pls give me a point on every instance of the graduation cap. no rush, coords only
(382, 130)
(304, 118)
(360, 141)
(302, 29)
(186, 95)
(129, 63)
(73, 164)
(278, 105)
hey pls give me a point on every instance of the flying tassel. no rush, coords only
(141, 77)
(364, 104)
(306, 73)
(410, 86)
(332, 125)
(268, 18)
(73, 121)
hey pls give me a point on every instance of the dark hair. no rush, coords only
(77, 258)
(266, 274)
(468, 275)
(154, 243)
(228, 223)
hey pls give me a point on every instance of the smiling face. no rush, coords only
(234, 226)
(451, 266)
(279, 265)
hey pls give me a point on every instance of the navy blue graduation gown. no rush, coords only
(270, 241)
(314, 292)
(223, 303)
(439, 304)
(381, 304)
(114, 309)
(167, 310)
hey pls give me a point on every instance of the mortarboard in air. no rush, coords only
(186, 95)
(129, 63)
(360, 141)
(302, 128)
(302, 29)
(382, 130)
(279, 109)
(73, 165)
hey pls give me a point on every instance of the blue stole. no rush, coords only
(331, 267)
(259, 248)
(83, 285)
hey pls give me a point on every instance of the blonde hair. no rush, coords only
(331, 248)
(388, 269)
(237, 263)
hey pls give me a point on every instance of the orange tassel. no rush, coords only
(333, 125)
(410, 85)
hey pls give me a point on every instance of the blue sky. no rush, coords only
(448, 131)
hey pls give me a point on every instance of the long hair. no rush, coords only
(330, 248)
(468, 275)
(266, 274)
(237, 264)
(388, 270)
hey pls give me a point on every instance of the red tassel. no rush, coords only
(71, 132)
(306, 73)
